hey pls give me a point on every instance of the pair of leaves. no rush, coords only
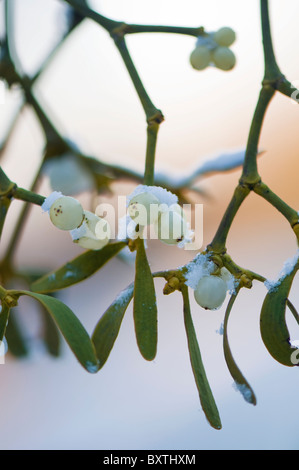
(144, 312)
(273, 327)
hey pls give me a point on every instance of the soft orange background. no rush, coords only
(132, 404)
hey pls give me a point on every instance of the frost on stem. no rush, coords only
(287, 269)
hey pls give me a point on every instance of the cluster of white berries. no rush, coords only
(87, 229)
(153, 205)
(213, 49)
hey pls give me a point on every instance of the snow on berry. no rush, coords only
(163, 195)
(200, 266)
(46, 206)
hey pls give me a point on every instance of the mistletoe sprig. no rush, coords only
(211, 274)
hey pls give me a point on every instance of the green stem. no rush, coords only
(3, 293)
(4, 206)
(139, 28)
(219, 241)
(17, 232)
(272, 71)
(153, 115)
(29, 196)
(5, 183)
(250, 173)
(265, 192)
(152, 132)
(149, 108)
(51, 133)
(84, 10)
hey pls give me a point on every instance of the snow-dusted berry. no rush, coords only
(143, 208)
(224, 58)
(66, 213)
(94, 234)
(170, 227)
(210, 292)
(200, 58)
(225, 36)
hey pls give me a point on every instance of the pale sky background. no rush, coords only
(132, 404)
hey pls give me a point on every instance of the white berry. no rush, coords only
(66, 213)
(143, 208)
(96, 233)
(224, 58)
(225, 274)
(171, 227)
(200, 58)
(210, 292)
(91, 243)
(225, 36)
(102, 230)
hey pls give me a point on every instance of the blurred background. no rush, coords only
(132, 404)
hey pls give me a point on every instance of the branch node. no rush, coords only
(120, 31)
(155, 118)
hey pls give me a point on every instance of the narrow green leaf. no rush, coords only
(50, 334)
(77, 270)
(107, 329)
(205, 394)
(15, 340)
(273, 327)
(4, 316)
(145, 307)
(71, 328)
(241, 383)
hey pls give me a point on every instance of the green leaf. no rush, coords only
(107, 329)
(4, 316)
(77, 270)
(71, 328)
(50, 334)
(240, 381)
(145, 307)
(273, 327)
(205, 394)
(16, 342)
